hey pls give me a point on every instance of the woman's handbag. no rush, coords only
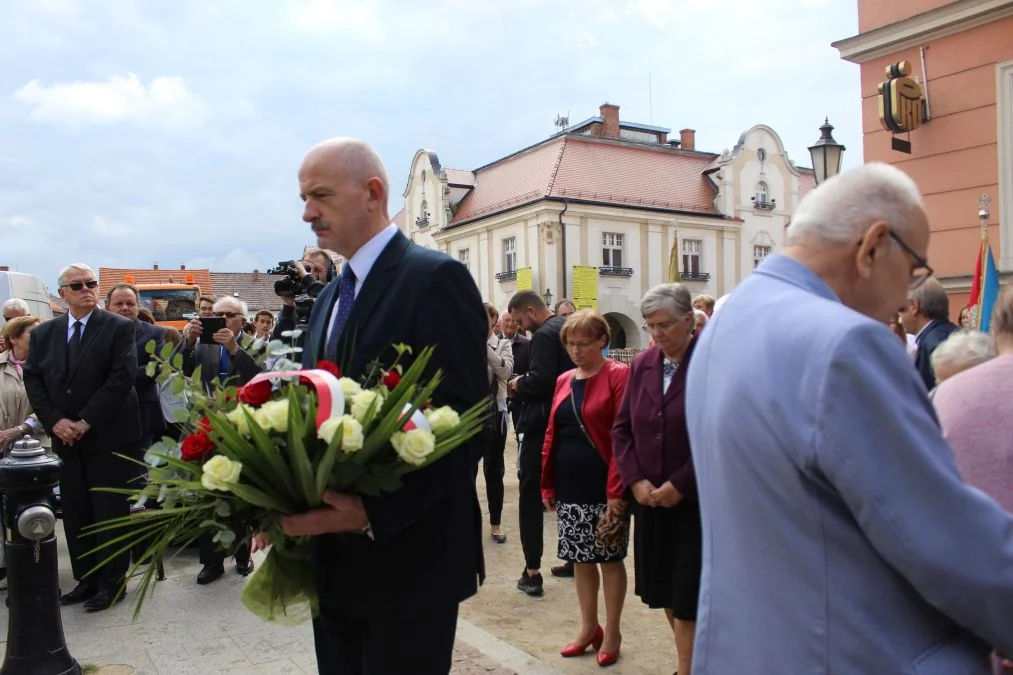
(613, 531)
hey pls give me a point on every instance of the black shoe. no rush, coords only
(244, 569)
(104, 599)
(564, 570)
(80, 594)
(498, 538)
(210, 573)
(530, 585)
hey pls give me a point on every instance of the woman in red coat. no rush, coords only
(580, 480)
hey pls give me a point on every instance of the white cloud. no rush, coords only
(656, 11)
(166, 101)
(608, 14)
(21, 223)
(100, 227)
(350, 16)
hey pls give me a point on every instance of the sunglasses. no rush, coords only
(228, 315)
(78, 285)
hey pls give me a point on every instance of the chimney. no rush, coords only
(687, 138)
(182, 267)
(155, 266)
(610, 117)
(256, 275)
(5, 268)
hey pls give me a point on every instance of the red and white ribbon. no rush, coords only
(417, 421)
(330, 396)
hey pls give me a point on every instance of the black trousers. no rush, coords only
(420, 642)
(493, 466)
(213, 554)
(529, 498)
(84, 469)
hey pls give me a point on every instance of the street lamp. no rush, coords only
(826, 154)
(547, 297)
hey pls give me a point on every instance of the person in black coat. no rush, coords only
(391, 570)
(927, 317)
(80, 380)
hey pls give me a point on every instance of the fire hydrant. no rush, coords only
(35, 641)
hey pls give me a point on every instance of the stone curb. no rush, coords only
(501, 651)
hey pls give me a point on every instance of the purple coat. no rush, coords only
(649, 438)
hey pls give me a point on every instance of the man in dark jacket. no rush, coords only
(533, 391)
(927, 317)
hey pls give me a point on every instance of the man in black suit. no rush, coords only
(80, 380)
(927, 317)
(534, 391)
(124, 299)
(520, 345)
(391, 570)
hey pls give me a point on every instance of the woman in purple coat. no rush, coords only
(651, 445)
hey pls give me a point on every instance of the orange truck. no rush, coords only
(170, 304)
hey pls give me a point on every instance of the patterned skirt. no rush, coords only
(578, 524)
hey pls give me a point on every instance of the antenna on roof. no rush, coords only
(650, 98)
(562, 122)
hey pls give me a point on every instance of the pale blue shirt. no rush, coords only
(362, 262)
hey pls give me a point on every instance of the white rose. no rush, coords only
(349, 387)
(238, 419)
(273, 415)
(362, 401)
(414, 446)
(442, 419)
(220, 473)
(351, 432)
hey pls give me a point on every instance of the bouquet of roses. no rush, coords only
(272, 448)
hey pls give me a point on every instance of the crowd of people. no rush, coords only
(834, 497)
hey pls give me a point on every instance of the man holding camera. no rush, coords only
(213, 344)
(305, 280)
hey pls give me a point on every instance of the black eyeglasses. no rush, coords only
(921, 270)
(228, 315)
(78, 285)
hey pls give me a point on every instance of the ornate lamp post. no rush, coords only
(826, 154)
(547, 297)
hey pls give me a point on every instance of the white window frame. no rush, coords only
(692, 249)
(510, 255)
(760, 253)
(464, 256)
(612, 245)
(1004, 139)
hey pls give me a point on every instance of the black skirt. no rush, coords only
(668, 551)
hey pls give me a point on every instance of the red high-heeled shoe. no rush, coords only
(608, 658)
(576, 649)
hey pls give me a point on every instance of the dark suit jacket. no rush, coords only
(521, 347)
(933, 336)
(650, 438)
(426, 548)
(548, 360)
(152, 419)
(99, 390)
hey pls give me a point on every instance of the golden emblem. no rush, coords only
(900, 100)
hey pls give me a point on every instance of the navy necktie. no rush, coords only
(346, 298)
(74, 345)
(224, 363)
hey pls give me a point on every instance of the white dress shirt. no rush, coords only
(362, 262)
(70, 324)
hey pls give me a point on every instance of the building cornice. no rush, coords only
(938, 23)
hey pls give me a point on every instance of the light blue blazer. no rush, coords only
(838, 536)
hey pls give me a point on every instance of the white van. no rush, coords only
(29, 288)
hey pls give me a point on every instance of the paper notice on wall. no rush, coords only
(585, 287)
(524, 282)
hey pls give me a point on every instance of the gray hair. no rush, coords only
(843, 207)
(964, 349)
(80, 267)
(16, 304)
(700, 315)
(242, 305)
(672, 297)
(932, 299)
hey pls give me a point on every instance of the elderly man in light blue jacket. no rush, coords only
(838, 536)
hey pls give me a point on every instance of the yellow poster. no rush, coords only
(585, 287)
(524, 279)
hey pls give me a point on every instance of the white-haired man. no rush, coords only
(80, 380)
(959, 352)
(12, 309)
(838, 534)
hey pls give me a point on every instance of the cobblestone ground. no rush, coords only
(470, 661)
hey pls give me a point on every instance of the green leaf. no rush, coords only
(366, 485)
(222, 509)
(225, 538)
(252, 495)
(196, 376)
(150, 346)
(326, 466)
(151, 369)
(269, 452)
(386, 477)
(180, 416)
(165, 351)
(177, 361)
(300, 461)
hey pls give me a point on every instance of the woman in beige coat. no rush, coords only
(16, 418)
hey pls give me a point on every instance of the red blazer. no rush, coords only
(602, 396)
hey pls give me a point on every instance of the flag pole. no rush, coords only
(983, 214)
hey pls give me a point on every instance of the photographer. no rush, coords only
(305, 280)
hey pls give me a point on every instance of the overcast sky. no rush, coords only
(171, 130)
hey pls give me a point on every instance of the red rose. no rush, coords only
(204, 426)
(256, 393)
(196, 446)
(392, 379)
(330, 367)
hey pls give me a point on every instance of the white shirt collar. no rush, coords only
(919, 333)
(71, 320)
(364, 259)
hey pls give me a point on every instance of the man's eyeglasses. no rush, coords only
(228, 315)
(78, 285)
(921, 270)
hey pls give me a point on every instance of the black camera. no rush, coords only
(291, 285)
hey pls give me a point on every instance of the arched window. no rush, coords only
(423, 175)
(761, 191)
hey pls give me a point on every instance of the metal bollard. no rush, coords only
(35, 641)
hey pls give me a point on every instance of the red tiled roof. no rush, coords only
(108, 276)
(806, 181)
(256, 290)
(460, 177)
(57, 305)
(593, 169)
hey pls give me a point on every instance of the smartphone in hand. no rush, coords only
(209, 325)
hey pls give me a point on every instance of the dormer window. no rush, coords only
(762, 198)
(422, 221)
